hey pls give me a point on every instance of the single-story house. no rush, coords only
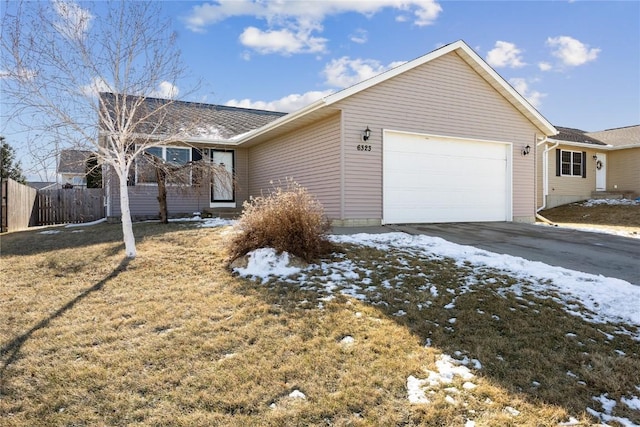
(575, 165)
(442, 138)
(72, 167)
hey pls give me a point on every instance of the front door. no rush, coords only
(222, 193)
(601, 172)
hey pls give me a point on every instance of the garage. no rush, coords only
(430, 178)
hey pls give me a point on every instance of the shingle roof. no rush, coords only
(575, 135)
(629, 135)
(194, 119)
(73, 161)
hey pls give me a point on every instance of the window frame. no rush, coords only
(572, 163)
(163, 149)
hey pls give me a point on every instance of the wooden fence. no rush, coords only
(69, 205)
(18, 203)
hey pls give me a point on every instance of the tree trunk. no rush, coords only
(127, 226)
(161, 177)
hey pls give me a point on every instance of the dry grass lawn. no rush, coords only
(173, 338)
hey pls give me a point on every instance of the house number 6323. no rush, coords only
(363, 147)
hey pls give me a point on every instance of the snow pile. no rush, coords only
(264, 263)
(447, 369)
(611, 202)
(297, 394)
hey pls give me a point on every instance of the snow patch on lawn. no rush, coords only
(447, 369)
(265, 263)
(607, 406)
(611, 202)
(205, 222)
(606, 298)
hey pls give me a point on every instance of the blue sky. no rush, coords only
(577, 62)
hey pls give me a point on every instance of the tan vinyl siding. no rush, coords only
(567, 189)
(310, 156)
(623, 170)
(442, 97)
(143, 201)
(241, 176)
(143, 198)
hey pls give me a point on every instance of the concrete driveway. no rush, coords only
(595, 253)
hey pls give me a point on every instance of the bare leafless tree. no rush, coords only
(193, 177)
(58, 56)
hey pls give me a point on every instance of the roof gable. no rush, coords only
(73, 161)
(476, 62)
(460, 48)
(628, 136)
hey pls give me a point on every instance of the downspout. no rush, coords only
(545, 178)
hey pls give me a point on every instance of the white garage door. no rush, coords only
(434, 179)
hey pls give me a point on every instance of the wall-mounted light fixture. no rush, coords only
(526, 150)
(595, 157)
(366, 134)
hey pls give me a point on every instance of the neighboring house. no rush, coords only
(576, 165)
(72, 168)
(442, 138)
(43, 185)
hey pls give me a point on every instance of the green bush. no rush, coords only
(287, 219)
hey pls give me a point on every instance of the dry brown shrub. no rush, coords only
(287, 219)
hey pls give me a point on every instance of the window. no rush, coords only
(571, 163)
(172, 156)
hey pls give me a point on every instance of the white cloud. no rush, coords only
(290, 23)
(427, 13)
(544, 66)
(359, 36)
(97, 85)
(20, 74)
(165, 90)
(522, 87)
(283, 41)
(505, 54)
(346, 72)
(571, 52)
(74, 21)
(286, 104)
(278, 11)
